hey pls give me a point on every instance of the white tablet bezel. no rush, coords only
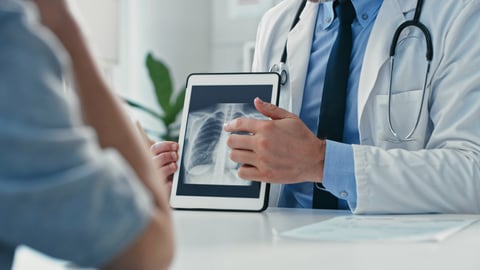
(214, 202)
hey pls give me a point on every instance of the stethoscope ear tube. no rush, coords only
(429, 56)
(294, 23)
(281, 68)
(415, 22)
(426, 34)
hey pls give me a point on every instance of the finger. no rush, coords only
(162, 147)
(165, 158)
(243, 157)
(271, 110)
(245, 142)
(248, 172)
(242, 124)
(167, 171)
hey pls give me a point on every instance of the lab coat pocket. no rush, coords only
(403, 111)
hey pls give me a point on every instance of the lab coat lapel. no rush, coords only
(298, 48)
(390, 16)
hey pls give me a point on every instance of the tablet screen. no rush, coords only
(205, 169)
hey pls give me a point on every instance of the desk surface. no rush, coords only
(215, 240)
(226, 240)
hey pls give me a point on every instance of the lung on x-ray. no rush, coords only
(206, 154)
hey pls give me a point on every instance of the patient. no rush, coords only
(76, 180)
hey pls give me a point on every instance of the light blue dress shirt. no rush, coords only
(60, 193)
(339, 175)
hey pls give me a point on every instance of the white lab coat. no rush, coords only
(440, 171)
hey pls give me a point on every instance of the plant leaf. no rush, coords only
(175, 108)
(142, 107)
(162, 82)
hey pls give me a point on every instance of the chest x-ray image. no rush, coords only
(205, 155)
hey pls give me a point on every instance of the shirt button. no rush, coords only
(343, 194)
(365, 16)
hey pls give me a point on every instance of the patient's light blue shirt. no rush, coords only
(339, 175)
(60, 193)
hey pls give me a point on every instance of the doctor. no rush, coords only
(377, 166)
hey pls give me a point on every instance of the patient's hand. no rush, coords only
(165, 156)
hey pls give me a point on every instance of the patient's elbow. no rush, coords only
(153, 249)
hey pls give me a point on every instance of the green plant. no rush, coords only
(170, 104)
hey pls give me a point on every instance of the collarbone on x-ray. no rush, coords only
(206, 154)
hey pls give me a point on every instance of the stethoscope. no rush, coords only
(282, 68)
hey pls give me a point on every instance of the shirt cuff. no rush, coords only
(339, 172)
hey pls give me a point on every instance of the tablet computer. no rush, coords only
(207, 178)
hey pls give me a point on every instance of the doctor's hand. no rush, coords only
(165, 156)
(281, 150)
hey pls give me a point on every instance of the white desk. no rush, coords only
(226, 240)
(216, 240)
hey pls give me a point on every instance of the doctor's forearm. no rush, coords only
(426, 181)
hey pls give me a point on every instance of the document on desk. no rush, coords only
(411, 228)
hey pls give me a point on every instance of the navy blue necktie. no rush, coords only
(332, 110)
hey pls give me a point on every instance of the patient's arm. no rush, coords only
(102, 110)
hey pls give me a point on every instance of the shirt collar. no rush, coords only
(366, 11)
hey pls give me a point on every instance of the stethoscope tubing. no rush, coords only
(415, 22)
(282, 68)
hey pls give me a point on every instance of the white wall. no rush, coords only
(100, 21)
(232, 29)
(177, 32)
(190, 36)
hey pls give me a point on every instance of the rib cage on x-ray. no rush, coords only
(206, 159)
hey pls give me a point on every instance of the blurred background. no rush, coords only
(187, 36)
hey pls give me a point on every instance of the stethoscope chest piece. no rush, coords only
(281, 69)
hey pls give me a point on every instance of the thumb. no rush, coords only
(271, 110)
